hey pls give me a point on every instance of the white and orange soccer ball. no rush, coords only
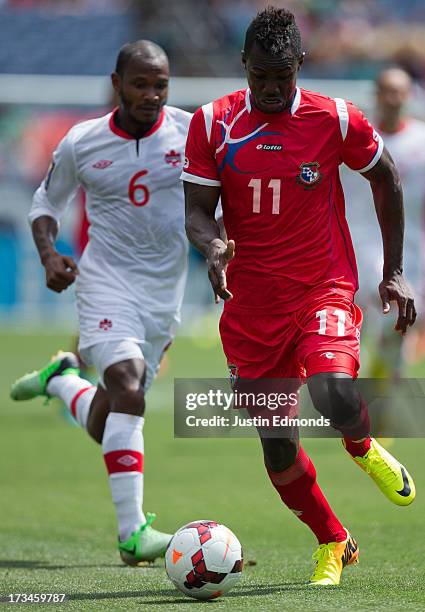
(204, 559)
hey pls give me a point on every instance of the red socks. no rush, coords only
(357, 448)
(298, 489)
(357, 434)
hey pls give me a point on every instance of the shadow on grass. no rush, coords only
(120, 594)
(38, 565)
(246, 591)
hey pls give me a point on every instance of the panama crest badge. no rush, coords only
(309, 175)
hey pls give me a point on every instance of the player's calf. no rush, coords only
(279, 453)
(98, 414)
(124, 384)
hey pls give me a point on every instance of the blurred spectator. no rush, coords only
(404, 136)
(72, 7)
(346, 38)
(39, 139)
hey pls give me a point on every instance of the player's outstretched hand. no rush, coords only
(396, 289)
(61, 271)
(219, 255)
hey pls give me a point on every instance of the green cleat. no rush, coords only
(35, 384)
(144, 544)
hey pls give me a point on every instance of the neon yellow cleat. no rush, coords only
(391, 476)
(331, 559)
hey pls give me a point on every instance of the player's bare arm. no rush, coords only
(61, 270)
(204, 233)
(388, 198)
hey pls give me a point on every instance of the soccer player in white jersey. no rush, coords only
(404, 137)
(130, 279)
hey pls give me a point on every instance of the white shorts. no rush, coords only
(110, 334)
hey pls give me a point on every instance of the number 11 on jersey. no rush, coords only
(275, 185)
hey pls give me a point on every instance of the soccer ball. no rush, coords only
(204, 559)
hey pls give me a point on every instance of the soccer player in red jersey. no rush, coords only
(288, 272)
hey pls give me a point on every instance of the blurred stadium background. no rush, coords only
(55, 58)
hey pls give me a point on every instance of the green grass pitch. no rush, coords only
(57, 527)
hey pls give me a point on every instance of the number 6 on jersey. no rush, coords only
(134, 188)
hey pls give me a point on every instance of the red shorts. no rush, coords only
(323, 336)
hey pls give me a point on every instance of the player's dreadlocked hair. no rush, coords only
(275, 31)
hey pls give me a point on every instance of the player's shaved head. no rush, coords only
(393, 87)
(145, 50)
(394, 77)
(276, 32)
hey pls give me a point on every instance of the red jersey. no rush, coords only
(282, 199)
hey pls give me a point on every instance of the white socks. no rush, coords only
(77, 394)
(123, 453)
(122, 446)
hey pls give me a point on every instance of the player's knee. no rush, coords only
(124, 383)
(335, 396)
(279, 453)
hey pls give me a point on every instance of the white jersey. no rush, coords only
(407, 147)
(137, 246)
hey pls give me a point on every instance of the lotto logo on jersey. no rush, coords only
(173, 158)
(309, 174)
(269, 147)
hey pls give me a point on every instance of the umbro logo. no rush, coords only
(328, 355)
(102, 164)
(127, 460)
